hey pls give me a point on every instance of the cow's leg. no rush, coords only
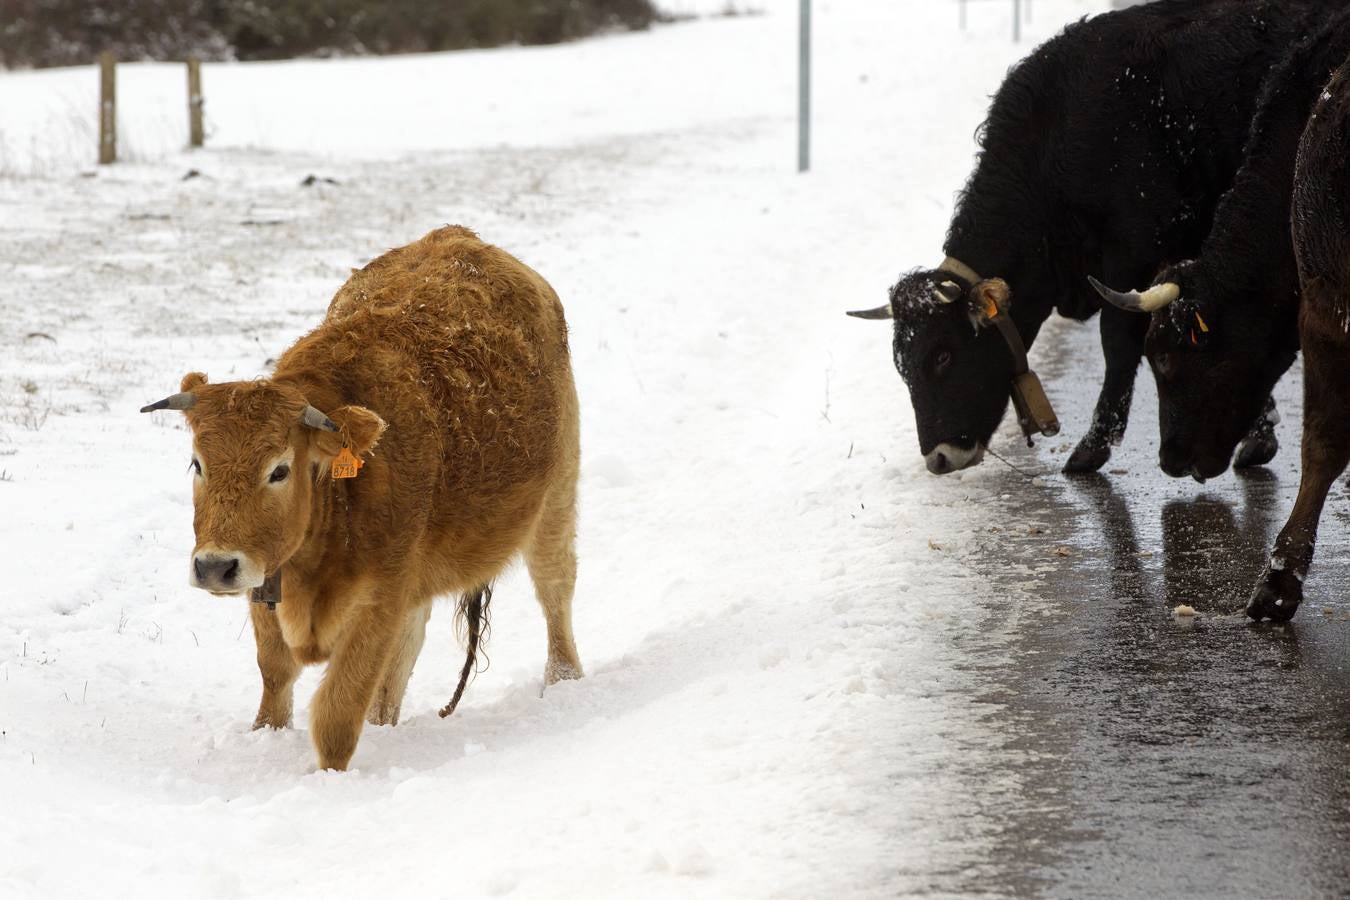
(278, 666)
(354, 672)
(384, 709)
(1326, 451)
(1260, 445)
(552, 561)
(1123, 345)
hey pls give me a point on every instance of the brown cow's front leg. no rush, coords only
(354, 672)
(1326, 451)
(278, 666)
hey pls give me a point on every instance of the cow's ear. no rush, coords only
(358, 428)
(191, 380)
(1198, 332)
(989, 299)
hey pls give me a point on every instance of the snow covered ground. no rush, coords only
(768, 575)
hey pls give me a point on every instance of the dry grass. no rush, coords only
(30, 415)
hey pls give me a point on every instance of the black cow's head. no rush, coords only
(958, 368)
(1215, 364)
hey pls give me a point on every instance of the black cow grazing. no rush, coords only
(1321, 233)
(1104, 153)
(1218, 348)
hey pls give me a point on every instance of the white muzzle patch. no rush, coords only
(946, 458)
(224, 571)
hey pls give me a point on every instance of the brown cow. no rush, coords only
(443, 368)
(1321, 230)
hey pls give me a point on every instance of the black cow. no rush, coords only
(1321, 236)
(1219, 348)
(1104, 153)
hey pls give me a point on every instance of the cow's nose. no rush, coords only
(938, 463)
(1174, 461)
(215, 570)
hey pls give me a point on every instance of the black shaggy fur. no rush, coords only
(1244, 284)
(1104, 153)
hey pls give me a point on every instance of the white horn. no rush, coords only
(1155, 298)
(947, 292)
(1151, 300)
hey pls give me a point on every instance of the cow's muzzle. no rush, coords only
(223, 572)
(1181, 464)
(946, 458)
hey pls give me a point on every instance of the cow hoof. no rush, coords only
(561, 670)
(1256, 451)
(274, 718)
(1088, 458)
(274, 724)
(1276, 597)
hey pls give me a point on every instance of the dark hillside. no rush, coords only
(36, 33)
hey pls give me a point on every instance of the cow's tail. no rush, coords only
(472, 617)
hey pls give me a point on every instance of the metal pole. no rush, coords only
(1017, 21)
(804, 89)
(107, 109)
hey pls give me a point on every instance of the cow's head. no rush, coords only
(957, 366)
(1214, 363)
(258, 450)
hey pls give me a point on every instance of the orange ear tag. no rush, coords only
(990, 308)
(346, 464)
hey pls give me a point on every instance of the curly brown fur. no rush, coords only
(444, 365)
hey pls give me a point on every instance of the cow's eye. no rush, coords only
(279, 474)
(942, 360)
(195, 466)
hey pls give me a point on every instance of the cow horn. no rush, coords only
(881, 312)
(315, 419)
(1151, 300)
(947, 292)
(185, 400)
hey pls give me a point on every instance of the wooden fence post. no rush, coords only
(107, 109)
(195, 101)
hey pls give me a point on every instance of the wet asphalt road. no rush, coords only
(1136, 753)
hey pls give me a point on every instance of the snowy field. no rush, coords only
(767, 577)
